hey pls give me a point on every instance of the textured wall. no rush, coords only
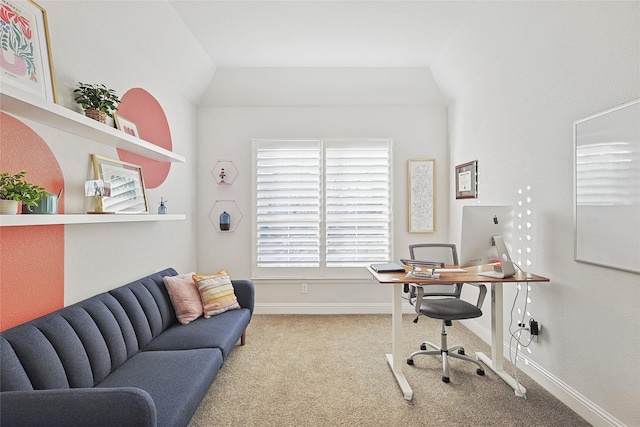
(32, 260)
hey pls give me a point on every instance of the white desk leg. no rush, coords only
(395, 359)
(496, 363)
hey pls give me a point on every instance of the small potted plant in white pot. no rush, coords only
(14, 189)
(97, 100)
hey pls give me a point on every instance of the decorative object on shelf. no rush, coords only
(127, 192)
(162, 209)
(467, 180)
(225, 221)
(225, 215)
(422, 190)
(26, 51)
(98, 101)
(126, 125)
(14, 189)
(48, 204)
(225, 172)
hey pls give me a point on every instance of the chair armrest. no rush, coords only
(482, 292)
(417, 292)
(122, 406)
(245, 292)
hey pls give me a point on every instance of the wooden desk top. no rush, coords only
(470, 276)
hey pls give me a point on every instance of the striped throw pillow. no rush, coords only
(216, 292)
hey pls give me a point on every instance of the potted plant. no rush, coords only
(14, 189)
(98, 101)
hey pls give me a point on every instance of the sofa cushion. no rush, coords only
(175, 380)
(222, 331)
(184, 296)
(216, 292)
(12, 373)
(147, 305)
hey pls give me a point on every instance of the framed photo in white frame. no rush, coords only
(25, 61)
(126, 125)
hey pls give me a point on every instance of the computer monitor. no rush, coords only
(479, 225)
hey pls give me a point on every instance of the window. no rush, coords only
(322, 207)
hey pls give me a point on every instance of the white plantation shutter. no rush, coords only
(288, 203)
(321, 204)
(357, 194)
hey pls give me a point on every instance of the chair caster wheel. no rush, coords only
(445, 379)
(461, 351)
(410, 362)
(423, 347)
(480, 371)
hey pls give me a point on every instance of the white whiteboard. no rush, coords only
(607, 188)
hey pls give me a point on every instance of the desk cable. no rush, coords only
(515, 335)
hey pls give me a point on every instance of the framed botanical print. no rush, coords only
(26, 61)
(422, 195)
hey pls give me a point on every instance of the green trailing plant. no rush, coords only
(97, 97)
(14, 187)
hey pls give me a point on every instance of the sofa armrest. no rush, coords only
(122, 406)
(245, 292)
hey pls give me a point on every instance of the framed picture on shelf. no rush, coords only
(126, 125)
(126, 183)
(467, 180)
(421, 177)
(25, 61)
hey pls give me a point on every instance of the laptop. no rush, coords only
(508, 269)
(388, 267)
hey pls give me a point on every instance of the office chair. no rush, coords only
(446, 306)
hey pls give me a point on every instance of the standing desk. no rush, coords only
(496, 361)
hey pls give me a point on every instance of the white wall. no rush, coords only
(96, 42)
(517, 76)
(225, 133)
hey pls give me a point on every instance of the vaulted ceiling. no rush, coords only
(322, 33)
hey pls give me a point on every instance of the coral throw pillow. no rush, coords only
(216, 292)
(184, 296)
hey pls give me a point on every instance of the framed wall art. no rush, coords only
(126, 183)
(421, 177)
(26, 61)
(126, 125)
(467, 180)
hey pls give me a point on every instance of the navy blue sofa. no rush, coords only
(120, 358)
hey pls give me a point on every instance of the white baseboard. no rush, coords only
(562, 391)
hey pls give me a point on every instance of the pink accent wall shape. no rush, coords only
(31, 258)
(139, 106)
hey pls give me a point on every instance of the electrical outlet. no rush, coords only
(304, 288)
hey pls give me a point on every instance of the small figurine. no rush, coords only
(222, 176)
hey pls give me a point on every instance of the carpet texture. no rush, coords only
(331, 370)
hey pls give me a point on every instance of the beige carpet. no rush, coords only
(330, 370)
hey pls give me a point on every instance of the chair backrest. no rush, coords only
(437, 252)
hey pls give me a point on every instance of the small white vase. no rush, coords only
(8, 207)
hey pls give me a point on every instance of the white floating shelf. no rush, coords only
(67, 219)
(16, 102)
